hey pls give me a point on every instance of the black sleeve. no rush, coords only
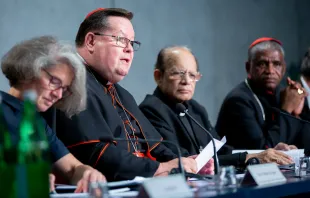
(81, 135)
(168, 135)
(164, 153)
(114, 163)
(238, 121)
(236, 159)
(57, 148)
(165, 131)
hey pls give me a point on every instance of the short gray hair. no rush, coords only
(266, 45)
(25, 61)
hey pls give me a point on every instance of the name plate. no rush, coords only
(263, 174)
(172, 186)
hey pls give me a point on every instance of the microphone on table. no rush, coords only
(288, 114)
(180, 168)
(306, 151)
(182, 109)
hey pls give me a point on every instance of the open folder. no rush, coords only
(207, 153)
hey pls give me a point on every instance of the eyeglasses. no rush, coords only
(179, 75)
(55, 84)
(122, 41)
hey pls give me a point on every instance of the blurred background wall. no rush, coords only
(218, 32)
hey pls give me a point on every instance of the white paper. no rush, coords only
(207, 153)
(125, 183)
(65, 187)
(119, 191)
(70, 195)
(295, 154)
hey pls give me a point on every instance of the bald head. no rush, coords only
(170, 56)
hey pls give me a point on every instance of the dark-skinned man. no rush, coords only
(257, 114)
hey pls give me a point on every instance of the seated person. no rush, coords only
(258, 113)
(57, 75)
(105, 42)
(305, 82)
(176, 73)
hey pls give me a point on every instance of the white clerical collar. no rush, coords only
(306, 87)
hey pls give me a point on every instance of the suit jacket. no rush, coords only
(82, 132)
(305, 114)
(165, 117)
(241, 120)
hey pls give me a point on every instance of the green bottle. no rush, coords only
(33, 164)
(7, 159)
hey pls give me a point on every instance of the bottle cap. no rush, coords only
(30, 95)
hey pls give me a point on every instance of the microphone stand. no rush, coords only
(181, 108)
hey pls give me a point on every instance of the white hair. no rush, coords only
(25, 61)
(266, 45)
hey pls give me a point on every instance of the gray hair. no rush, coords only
(25, 61)
(266, 45)
(163, 57)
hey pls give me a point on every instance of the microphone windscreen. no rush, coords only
(180, 108)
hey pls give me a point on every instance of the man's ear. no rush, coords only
(158, 76)
(90, 41)
(248, 69)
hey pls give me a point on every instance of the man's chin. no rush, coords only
(270, 86)
(183, 98)
(116, 79)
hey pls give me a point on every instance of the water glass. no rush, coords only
(98, 190)
(226, 177)
(304, 166)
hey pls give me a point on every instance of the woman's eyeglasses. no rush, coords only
(55, 84)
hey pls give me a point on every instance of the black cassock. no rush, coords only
(112, 113)
(241, 120)
(165, 117)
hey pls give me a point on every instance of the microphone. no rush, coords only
(288, 114)
(182, 109)
(306, 151)
(173, 171)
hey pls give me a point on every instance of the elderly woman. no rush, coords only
(56, 74)
(176, 74)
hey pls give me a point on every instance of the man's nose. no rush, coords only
(270, 68)
(129, 48)
(186, 79)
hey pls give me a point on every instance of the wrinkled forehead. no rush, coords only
(269, 55)
(182, 60)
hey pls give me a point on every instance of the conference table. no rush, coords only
(293, 187)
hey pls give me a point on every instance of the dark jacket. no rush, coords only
(12, 114)
(241, 120)
(305, 114)
(115, 160)
(165, 117)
